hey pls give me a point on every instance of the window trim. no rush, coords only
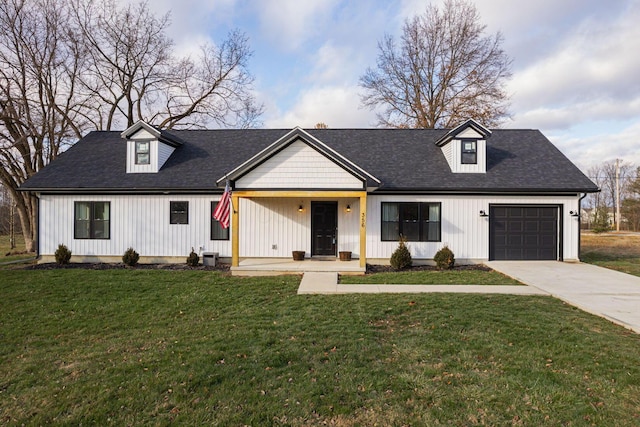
(173, 211)
(468, 153)
(213, 221)
(421, 232)
(139, 152)
(91, 220)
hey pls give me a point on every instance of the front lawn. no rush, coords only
(8, 255)
(132, 347)
(434, 277)
(617, 251)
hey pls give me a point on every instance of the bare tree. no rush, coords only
(631, 204)
(136, 76)
(613, 181)
(69, 66)
(443, 71)
(215, 86)
(40, 110)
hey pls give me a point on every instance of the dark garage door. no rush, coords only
(523, 233)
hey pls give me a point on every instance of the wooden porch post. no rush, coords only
(363, 230)
(235, 230)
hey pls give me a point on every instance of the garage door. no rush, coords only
(523, 233)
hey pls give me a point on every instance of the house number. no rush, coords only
(362, 220)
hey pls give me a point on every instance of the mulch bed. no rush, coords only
(121, 266)
(371, 269)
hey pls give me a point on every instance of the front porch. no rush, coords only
(280, 266)
(271, 224)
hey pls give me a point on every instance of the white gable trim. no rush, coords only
(132, 131)
(300, 166)
(464, 128)
(286, 140)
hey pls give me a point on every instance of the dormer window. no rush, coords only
(148, 148)
(142, 153)
(469, 152)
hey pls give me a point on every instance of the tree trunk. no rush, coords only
(27, 206)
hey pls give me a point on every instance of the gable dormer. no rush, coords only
(465, 147)
(148, 148)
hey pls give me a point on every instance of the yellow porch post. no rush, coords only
(235, 230)
(363, 230)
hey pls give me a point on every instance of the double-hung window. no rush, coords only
(179, 212)
(417, 222)
(217, 232)
(92, 220)
(469, 152)
(142, 152)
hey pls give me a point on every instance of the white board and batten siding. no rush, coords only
(141, 222)
(462, 228)
(273, 228)
(269, 227)
(299, 166)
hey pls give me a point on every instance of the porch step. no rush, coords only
(318, 283)
(279, 266)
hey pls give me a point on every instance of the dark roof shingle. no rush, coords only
(402, 159)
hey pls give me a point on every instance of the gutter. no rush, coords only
(580, 223)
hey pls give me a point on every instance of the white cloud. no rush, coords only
(290, 23)
(337, 106)
(602, 147)
(333, 64)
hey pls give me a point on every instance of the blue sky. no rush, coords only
(576, 63)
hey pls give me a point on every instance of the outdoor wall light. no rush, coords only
(300, 208)
(483, 213)
(348, 208)
(574, 213)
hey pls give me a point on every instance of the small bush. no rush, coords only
(193, 259)
(62, 255)
(401, 257)
(444, 259)
(130, 257)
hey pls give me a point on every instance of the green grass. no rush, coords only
(131, 347)
(446, 277)
(5, 247)
(625, 263)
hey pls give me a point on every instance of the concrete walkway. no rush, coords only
(600, 291)
(327, 284)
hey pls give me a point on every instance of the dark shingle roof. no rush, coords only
(402, 159)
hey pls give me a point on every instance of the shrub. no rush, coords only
(130, 257)
(62, 255)
(401, 257)
(193, 259)
(600, 223)
(444, 258)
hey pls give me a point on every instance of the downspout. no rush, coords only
(37, 196)
(580, 223)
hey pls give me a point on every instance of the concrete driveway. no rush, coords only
(600, 291)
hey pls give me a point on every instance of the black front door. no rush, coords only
(324, 228)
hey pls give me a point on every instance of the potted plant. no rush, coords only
(298, 255)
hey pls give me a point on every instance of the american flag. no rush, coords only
(222, 212)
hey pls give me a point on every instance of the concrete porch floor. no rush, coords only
(279, 266)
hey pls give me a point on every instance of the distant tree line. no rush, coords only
(602, 208)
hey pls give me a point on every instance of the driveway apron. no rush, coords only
(600, 291)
